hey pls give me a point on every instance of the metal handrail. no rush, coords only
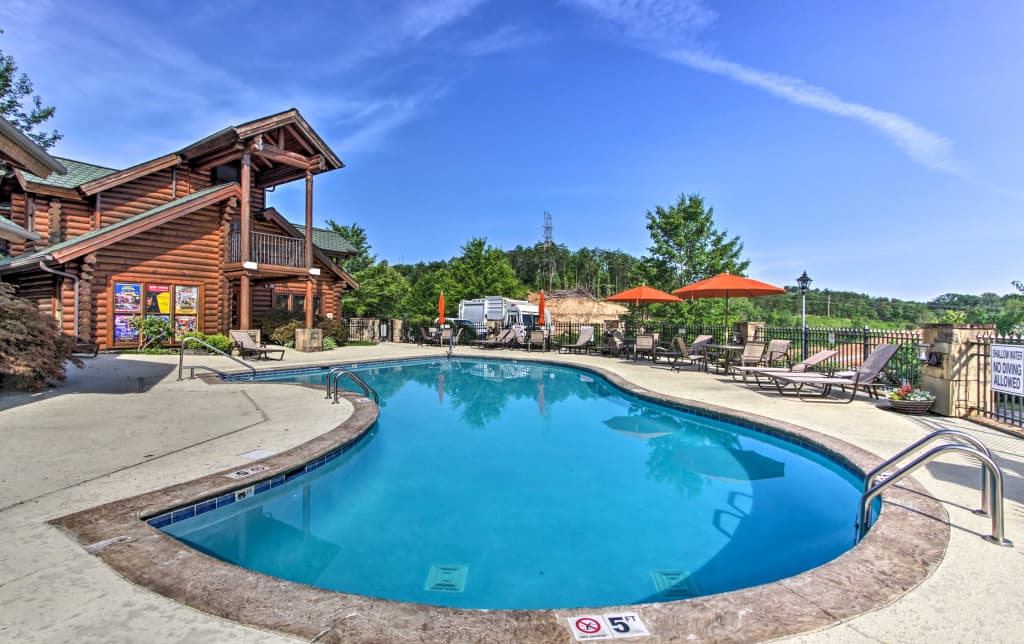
(192, 368)
(333, 372)
(995, 502)
(336, 374)
(955, 434)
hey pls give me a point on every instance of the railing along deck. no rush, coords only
(265, 248)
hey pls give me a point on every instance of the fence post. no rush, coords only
(867, 342)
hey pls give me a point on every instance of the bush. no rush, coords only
(220, 342)
(153, 330)
(217, 341)
(279, 325)
(329, 343)
(333, 329)
(32, 348)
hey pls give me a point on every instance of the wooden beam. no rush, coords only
(277, 176)
(309, 302)
(129, 174)
(274, 153)
(244, 302)
(301, 140)
(234, 153)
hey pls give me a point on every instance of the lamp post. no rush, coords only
(803, 282)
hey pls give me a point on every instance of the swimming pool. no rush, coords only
(495, 484)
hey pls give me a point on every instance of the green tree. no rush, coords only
(686, 246)
(481, 270)
(382, 289)
(20, 106)
(355, 235)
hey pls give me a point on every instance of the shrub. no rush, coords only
(329, 343)
(153, 330)
(32, 348)
(217, 341)
(333, 329)
(220, 342)
(279, 325)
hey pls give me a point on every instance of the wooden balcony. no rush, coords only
(266, 249)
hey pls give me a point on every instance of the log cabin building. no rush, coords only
(186, 236)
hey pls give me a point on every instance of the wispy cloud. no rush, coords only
(671, 30)
(421, 19)
(920, 144)
(375, 121)
(502, 39)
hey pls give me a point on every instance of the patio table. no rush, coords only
(723, 355)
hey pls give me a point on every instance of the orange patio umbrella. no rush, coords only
(440, 309)
(540, 309)
(642, 295)
(727, 285)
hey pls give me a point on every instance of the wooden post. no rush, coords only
(244, 289)
(246, 205)
(244, 302)
(309, 302)
(309, 249)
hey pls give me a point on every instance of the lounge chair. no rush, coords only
(582, 343)
(797, 367)
(753, 354)
(247, 346)
(867, 377)
(505, 338)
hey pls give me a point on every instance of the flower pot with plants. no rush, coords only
(908, 400)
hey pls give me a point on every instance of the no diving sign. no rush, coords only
(603, 627)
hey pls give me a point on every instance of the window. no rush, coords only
(281, 301)
(176, 303)
(316, 305)
(299, 303)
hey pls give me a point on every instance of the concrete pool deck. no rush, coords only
(124, 426)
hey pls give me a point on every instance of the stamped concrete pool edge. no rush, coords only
(903, 548)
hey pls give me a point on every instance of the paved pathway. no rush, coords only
(125, 425)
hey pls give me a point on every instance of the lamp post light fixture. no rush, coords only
(803, 282)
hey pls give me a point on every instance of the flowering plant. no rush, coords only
(907, 392)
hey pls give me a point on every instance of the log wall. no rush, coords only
(185, 251)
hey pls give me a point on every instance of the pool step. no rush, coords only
(674, 584)
(449, 579)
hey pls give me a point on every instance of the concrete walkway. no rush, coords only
(125, 425)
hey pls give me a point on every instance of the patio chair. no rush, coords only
(867, 377)
(536, 339)
(753, 354)
(614, 346)
(582, 343)
(693, 354)
(802, 366)
(247, 346)
(646, 345)
(777, 352)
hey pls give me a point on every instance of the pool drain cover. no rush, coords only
(450, 579)
(674, 584)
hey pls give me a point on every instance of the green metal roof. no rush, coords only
(21, 260)
(78, 173)
(327, 240)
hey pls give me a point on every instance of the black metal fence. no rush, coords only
(852, 345)
(976, 392)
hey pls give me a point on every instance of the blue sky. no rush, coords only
(875, 145)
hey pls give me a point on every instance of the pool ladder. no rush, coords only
(337, 373)
(965, 444)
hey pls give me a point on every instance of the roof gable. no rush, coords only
(96, 239)
(328, 240)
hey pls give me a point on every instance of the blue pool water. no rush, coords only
(491, 484)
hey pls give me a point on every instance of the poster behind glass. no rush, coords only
(158, 300)
(127, 297)
(123, 331)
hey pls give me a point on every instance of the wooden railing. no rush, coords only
(264, 248)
